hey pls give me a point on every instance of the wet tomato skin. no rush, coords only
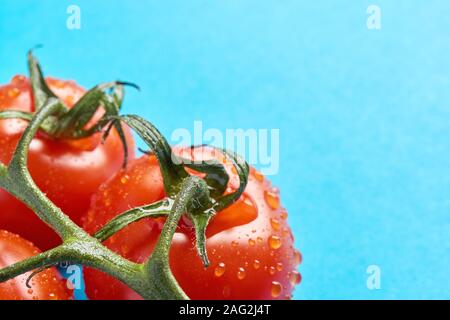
(47, 285)
(68, 172)
(250, 244)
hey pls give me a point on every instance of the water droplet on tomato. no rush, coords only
(30, 291)
(226, 291)
(272, 199)
(295, 277)
(251, 242)
(276, 289)
(18, 79)
(220, 270)
(259, 240)
(258, 176)
(124, 179)
(279, 266)
(287, 233)
(234, 243)
(283, 214)
(69, 100)
(272, 270)
(13, 92)
(297, 257)
(274, 242)
(275, 224)
(256, 264)
(241, 273)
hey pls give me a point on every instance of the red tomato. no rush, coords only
(250, 244)
(69, 172)
(46, 285)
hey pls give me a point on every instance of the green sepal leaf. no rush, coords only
(173, 173)
(41, 92)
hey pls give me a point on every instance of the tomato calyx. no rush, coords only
(174, 173)
(79, 121)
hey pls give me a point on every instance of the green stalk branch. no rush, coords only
(19, 183)
(46, 259)
(156, 210)
(193, 190)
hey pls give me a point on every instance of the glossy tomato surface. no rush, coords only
(46, 285)
(250, 244)
(69, 172)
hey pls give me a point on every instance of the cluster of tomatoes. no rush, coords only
(250, 244)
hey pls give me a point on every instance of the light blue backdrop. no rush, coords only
(364, 114)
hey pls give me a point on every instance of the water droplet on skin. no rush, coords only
(297, 257)
(272, 199)
(275, 224)
(69, 100)
(258, 176)
(254, 231)
(256, 264)
(259, 240)
(276, 289)
(241, 273)
(295, 278)
(234, 244)
(279, 266)
(226, 291)
(13, 93)
(124, 179)
(251, 242)
(18, 79)
(272, 270)
(30, 291)
(284, 214)
(287, 233)
(220, 270)
(274, 242)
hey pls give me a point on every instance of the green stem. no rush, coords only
(19, 183)
(156, 210)
(45, 259)
(192, 189)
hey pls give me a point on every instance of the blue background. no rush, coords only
(364, 114)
